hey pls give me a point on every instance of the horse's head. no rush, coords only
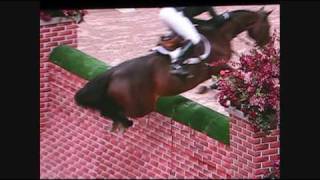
(259, 30)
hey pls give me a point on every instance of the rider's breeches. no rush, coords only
(180, 24)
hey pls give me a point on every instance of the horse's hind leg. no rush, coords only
(120, 121)
(124, 123)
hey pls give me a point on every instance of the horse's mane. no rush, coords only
(220, 21)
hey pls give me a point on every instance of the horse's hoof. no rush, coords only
(214, 86)
(202, 89)
(122, 130)
(127, 124)
(114, 127)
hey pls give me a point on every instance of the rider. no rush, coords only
(179, 20)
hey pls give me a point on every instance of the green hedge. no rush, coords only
(179, 108)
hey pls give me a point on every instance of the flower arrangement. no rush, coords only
(47, 15)
(254, 87)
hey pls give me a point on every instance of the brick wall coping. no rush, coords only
(179, 108)
(237, 113)
(56, 20)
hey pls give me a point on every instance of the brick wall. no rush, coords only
(76, 142)
(51, 36)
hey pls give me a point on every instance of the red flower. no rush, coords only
(254, 87)
(224, 72)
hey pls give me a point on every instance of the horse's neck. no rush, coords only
(239, 22)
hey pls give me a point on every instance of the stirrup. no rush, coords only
(177, 69)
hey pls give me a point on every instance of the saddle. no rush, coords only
(170, 44)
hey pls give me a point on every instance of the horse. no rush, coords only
(132, 88)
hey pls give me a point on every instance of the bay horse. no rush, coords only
(132, 88)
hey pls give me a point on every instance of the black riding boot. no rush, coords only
(177, 67)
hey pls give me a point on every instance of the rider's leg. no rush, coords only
(184, 27)
(180, 24)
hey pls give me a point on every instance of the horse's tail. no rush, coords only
(93, 93)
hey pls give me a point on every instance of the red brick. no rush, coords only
(267, 164)
(242, 148)
(154, 163)
(52, 44)
(68, 32)
(233, 156)
(260, 159)
(224, 153)
(202, 175)
(61, 38)
(242, 124)
(233, 145)
(58, 28)
(44, 40)
(254, 153)
(233, 132)
(274, 157)
(269, 139)
(239, 153)
(242, 160)
(226, 165)
(216, 155)
(247, 133)
(228, 159)
(211, 167)
(270, 151)
(66, 42)
(243, 172)
(233, 120)
(242, 136)
(275, 145)
(247, 145)
(237, 140)
(72, 36)
(50, 34)
(261, 171)
(237, 128)
(254, 165)
(248, 157)
(233, 167)
(156, 171)
(259, 135)
(261, 147)
(72, 26)
(44, 30)
(221, 172)
(204, 143)
(196, 166)
(44, 110)
(254, 140)
(44, 50)
(275, 132)
(188, 174)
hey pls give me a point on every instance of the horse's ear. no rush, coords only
(268, 13)
(261, 9)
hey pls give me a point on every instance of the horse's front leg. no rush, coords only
(216, 72)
